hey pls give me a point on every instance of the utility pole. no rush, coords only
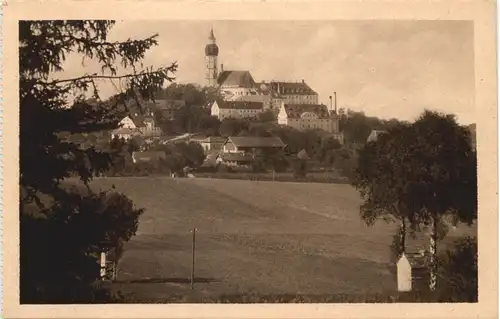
(192, 266)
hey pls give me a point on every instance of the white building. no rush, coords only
(236, 109)
(374, 135)
(260, 98)
(137, 125)
(308, 116)
(127, 122)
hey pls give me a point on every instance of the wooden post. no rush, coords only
(192, 266)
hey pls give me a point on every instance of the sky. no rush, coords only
(389, 69)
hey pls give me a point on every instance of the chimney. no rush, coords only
(335, 94)
(302, 80)
(330, 103)
(222, 67)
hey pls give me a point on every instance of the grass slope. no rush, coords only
(264, 237)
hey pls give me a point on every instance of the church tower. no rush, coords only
(211, 53)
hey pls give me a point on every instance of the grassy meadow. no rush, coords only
(260, 237)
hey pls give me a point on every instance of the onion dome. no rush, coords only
(211, 49)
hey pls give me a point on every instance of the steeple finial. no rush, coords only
(211, 37)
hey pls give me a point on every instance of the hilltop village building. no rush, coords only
(292, 92)
(137, 125)
(374, 135)
(239, 151)
(236, 109)
(295, 103)
(308, 116)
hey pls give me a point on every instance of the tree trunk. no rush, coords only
(433, 253)
(402, 235)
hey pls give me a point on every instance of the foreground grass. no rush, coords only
(251, 298)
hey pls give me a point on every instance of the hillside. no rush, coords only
(252, 236)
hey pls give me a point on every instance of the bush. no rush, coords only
(458, 274)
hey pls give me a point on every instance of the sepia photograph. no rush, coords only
(248, 161)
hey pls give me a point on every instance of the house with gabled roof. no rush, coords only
(236, 109)
(240, 160)
(240, 151)
(247, 144)
(140, 124)
(208, 143)
(125, 133)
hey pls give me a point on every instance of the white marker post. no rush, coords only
(103, 265)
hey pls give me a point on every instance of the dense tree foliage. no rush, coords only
(458, 271)
(63, 232)
(420, 173)
(356, 126)
(194, 116)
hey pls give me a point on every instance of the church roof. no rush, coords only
(241, 79)
(296, 110)
(292, 88)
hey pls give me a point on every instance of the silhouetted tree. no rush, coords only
(62, 233)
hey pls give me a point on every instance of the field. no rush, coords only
(264, 237)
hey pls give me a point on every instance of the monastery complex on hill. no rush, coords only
(294, 103)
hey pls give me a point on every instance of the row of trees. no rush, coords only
(421, 174)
